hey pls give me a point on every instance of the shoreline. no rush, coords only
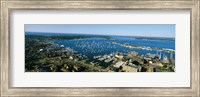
(143, 47)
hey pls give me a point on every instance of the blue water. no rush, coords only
(93, 47)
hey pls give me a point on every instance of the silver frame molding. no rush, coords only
(8, 5)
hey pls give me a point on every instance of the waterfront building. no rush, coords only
(40, 50)
(62, 46)
(165, 60)
(71, 58)
(117, 65)
(132, 54)
(158, 64)
(120, 57)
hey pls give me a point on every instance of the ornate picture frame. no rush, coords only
(8, 5)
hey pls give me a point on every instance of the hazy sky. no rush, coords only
(153, 30)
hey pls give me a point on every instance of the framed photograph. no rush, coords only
(100, 48)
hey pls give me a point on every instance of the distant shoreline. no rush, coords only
(136, 37)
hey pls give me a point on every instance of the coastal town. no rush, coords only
(43, 55)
